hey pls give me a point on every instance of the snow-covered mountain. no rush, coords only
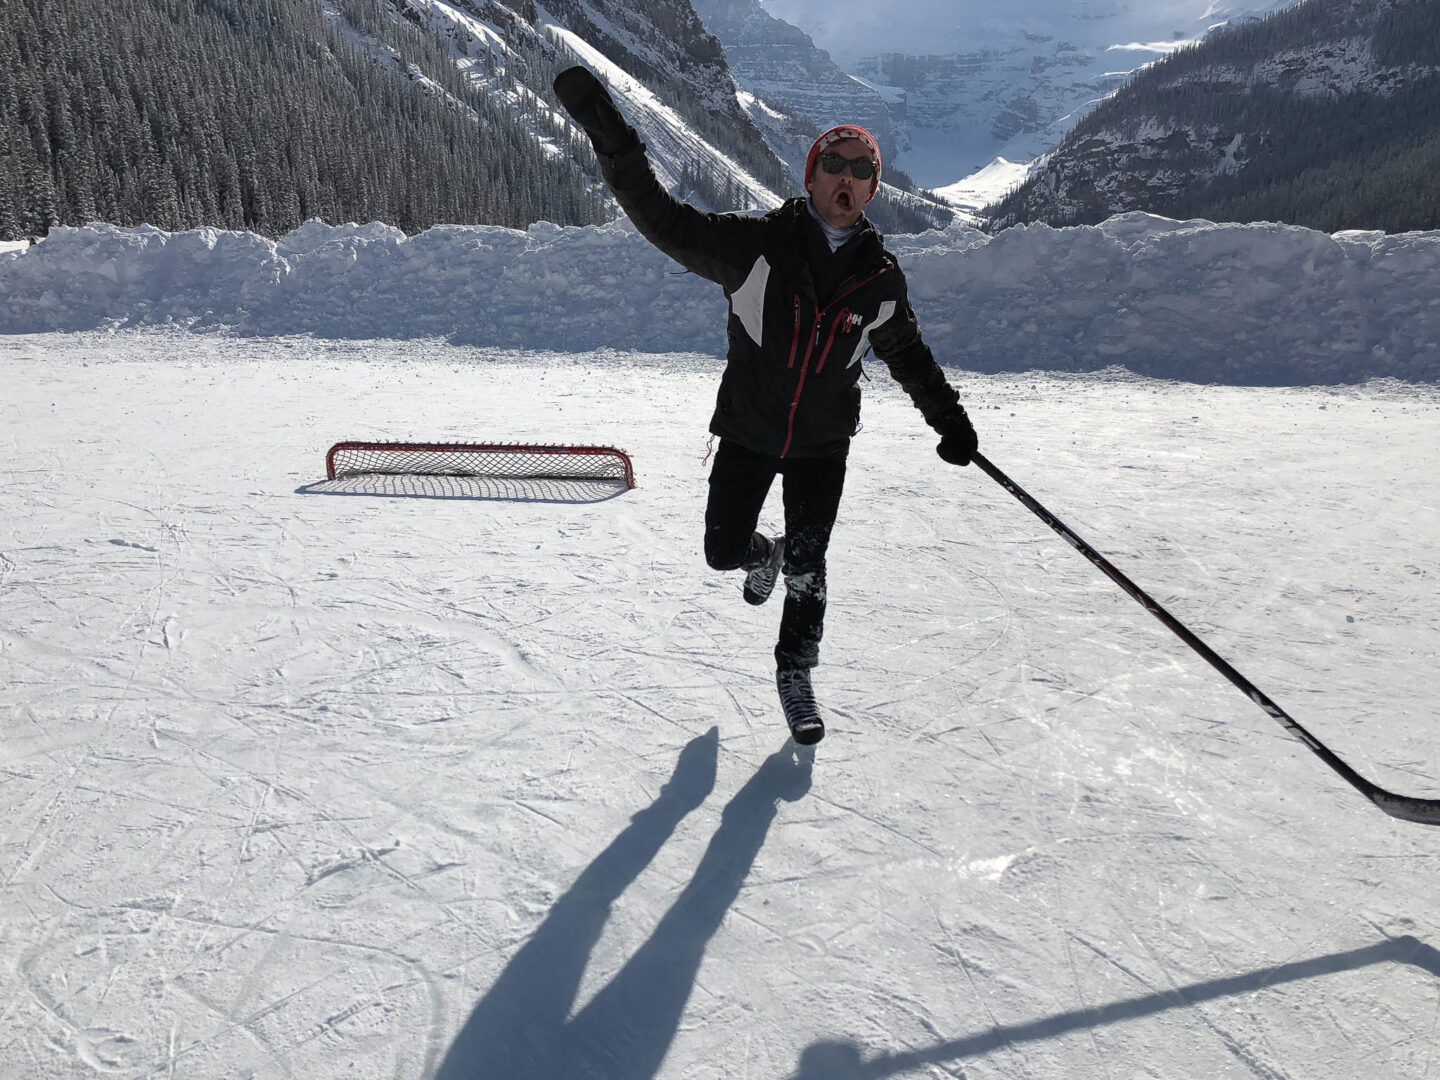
(973, 195)
(668, 74)
(779, 64)
(971, 80)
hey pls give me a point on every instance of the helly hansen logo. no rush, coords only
(851, 321)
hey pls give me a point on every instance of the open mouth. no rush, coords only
(843, 200)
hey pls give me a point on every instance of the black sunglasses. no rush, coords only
(860, 168)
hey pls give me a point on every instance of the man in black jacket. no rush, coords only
(811, 289)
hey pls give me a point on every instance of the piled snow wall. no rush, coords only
(1246, 304)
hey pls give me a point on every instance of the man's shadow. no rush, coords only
(523, 1029)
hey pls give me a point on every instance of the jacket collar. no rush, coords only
(871, 245)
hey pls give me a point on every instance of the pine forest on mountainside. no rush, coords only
(261, 115)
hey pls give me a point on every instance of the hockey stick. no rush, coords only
(1405, 807)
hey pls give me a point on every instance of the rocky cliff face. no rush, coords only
(688, 109)
(779, 64)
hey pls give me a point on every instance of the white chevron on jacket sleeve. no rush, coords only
(748, 301)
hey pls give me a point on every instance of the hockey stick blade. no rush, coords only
(1404, 807)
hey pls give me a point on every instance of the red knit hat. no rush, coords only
(834, 135)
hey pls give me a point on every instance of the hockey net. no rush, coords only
(502, 462)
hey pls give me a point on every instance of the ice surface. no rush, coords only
(305, 785)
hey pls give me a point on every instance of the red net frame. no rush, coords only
(517, 461)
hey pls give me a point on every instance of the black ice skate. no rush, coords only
(760, 582)
(798, 700)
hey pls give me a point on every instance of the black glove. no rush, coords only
(590, 105)
(957, 437)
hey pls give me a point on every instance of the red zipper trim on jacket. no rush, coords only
(834, 329)
(810, 348)
(878, 273)
(800, 387)
(795, 341)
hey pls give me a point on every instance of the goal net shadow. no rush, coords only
(493, 471)
(503, 488)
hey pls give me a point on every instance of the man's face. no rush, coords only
(839, 198)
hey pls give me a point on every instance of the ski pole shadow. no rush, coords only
(523, 1029)
(842, 1060)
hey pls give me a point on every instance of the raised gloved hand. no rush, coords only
(590, 105)
(957, 437)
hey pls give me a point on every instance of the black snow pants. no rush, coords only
(739, 481)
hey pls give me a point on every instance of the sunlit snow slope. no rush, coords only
(671, 142)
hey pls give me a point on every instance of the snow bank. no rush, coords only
(547, 288)
(1270, 304)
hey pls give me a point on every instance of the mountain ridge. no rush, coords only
(1325, 115)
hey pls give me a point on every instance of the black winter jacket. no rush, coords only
(801, 317)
